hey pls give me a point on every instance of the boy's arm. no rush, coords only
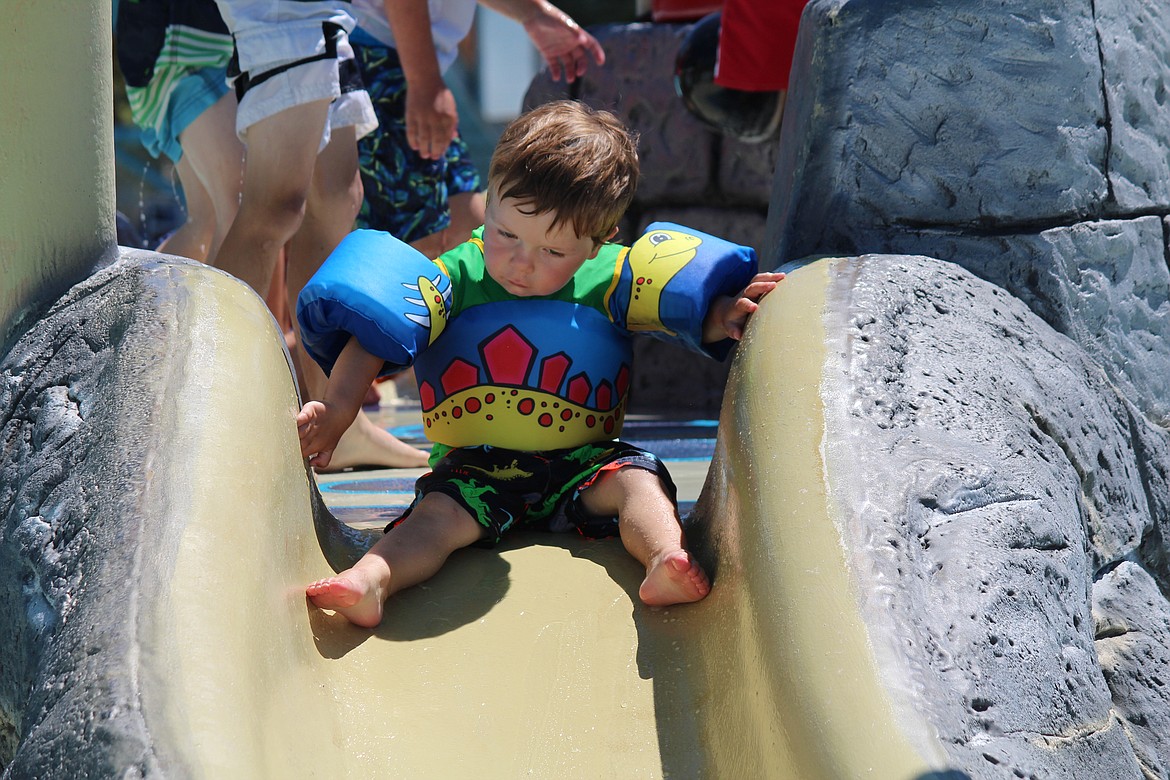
(728, 315)
(320, 424)
(431, 114)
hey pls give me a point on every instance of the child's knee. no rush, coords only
(447, 518)
(613, 488)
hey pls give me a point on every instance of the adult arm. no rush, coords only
(566, 47)
(431, 115)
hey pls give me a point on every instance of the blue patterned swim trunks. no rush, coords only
(405, 195)
(504, 489)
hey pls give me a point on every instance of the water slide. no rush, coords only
(155, 579)
(532, 660)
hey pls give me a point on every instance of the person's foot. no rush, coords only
(373, 398)
(365, 444)
(355, 594)
(674, 578)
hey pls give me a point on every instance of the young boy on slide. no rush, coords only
(523, 355)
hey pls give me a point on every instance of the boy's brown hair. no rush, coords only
(567, 158)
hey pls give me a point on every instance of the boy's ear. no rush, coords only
(598, 244)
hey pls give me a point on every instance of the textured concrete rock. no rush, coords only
(923, 114)
(745, 172)
(994, 484)
(636, 83)
(1135, 44)
(1025, 141)
(115, 410)
(1132, 619)
(73, 423)
(1104, 284)
(684, 164)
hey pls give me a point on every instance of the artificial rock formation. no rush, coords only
(1011, 528)
(1005, 510)
(1026, 141)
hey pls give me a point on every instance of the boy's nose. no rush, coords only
(522, 259)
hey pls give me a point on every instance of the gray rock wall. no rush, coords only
(690, 175)
(1006, 512)
(1027, 141)
(1009, 513)
(74, 420)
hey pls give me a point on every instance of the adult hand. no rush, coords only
(431, 118)
(566, 47)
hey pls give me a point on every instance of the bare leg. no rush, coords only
(193, 237)
(216, 156)
(277, 300)
(282, 157)
(409, 554)
(650, 530)
(467, 211)
(334, 200)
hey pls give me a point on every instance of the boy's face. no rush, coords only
(525, 254)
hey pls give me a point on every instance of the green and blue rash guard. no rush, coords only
(532, 373)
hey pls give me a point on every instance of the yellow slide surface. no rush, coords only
(535, 659)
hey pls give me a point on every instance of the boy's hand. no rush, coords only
(317, 430)
(729, 315)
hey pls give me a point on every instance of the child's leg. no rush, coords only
(408, 554)
(650, 530)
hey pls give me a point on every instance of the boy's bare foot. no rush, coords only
(355, 594)
(674, 578)
(365, 444)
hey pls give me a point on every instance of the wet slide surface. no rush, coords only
(532, 659)
(535, 658)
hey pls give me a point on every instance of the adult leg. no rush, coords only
(649, 526)
(334, 199)
(408, 554)
(214, 152)
(467, 212)
(193, 238)
(278, 174)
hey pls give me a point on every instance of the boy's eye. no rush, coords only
(555, 253)
(506, 234)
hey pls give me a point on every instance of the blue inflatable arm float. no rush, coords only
(383, 292)
(669, 279)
